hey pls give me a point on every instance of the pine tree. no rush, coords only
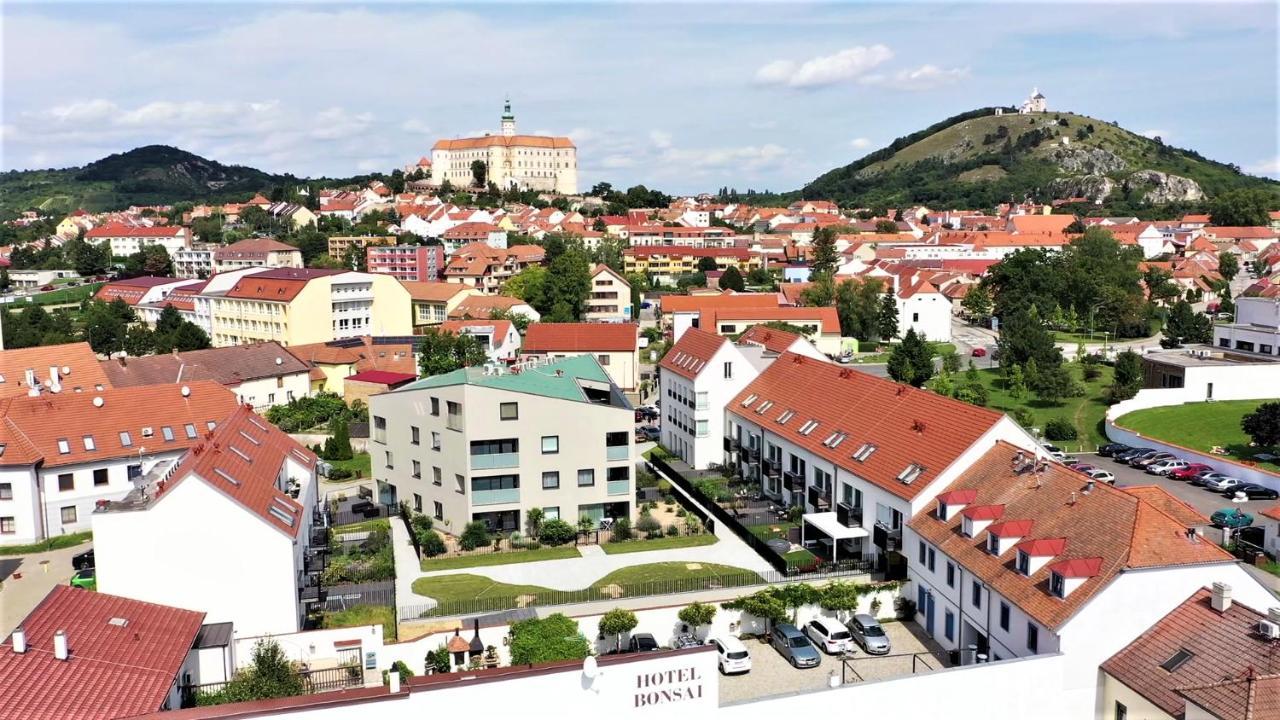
(824, 258)
(911, 361)
(887, 317)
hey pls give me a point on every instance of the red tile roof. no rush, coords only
(242, 458)
(1107, 530)
(77, 368)
(1223, 644)
(698, 303)
(905, 424)
(433, 291)
(252, 248)
(114, 230)
(580, 337)
(1173, 507)
(1041, 223)
(227, 366)
(114, 670)
(1078, 567)
(648, 251)
(501, 328)
(382, 377)
(828, 316)
(691, 353)
(1252, 697)
(479, 306)
(772, 339)
(957, 497)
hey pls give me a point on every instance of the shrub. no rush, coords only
(672, 531)
(399, 667)
(648, 524)
(474, 535)
(1023, 417)
(1092, 372)
(421, 523)
(543, 640)
(1060, 429)
(438, 660)
(556, 532)
(432, 544)
(681, 512)
(339, 473)
(621, 530)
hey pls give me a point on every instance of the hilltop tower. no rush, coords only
(508, 120)
(1034, 104)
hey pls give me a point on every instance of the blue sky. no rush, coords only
(683, 97)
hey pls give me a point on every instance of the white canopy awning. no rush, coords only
(828, 524)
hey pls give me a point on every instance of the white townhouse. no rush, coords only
(63, 452)
(224, 529)
(1021, 557)
(922, 307)
(126, 240)
(860, 454)
(499, 338)
(610, 297)
(701, 373)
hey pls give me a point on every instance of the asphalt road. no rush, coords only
(1205, 501)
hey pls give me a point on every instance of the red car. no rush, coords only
(979, 352)
(1189, 471)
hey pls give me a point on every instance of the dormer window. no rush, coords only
(942, 510)
(1024, 563)
(966, 527)
(1057, 585)
(993, 544)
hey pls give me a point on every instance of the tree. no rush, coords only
(1015, 382)
(1128, 377)
(886, 227)
(760, 276)
(977, 302)
(840, 597)
(169, 321)
(1024, 337)
(1263, 424)
(105, 325)
(1054, 383)
(911, 361)
(706, 264)
(887, 317)
(88, 259)
(151, 260)
(567, 286)
(763, 604)
(441, 352)
(270, 674)
(1228, 265)
(338, 445)
(732, 280)
(543, 640)
(616, 622)
(529, 285)
(1185, 325)
(188, 336)
(820, 293)
(824, 257)
(697, 614)
(479, 172)
(474, 535)
(857, 304)
(5, 282)
(1160, 285)
(1241, 207)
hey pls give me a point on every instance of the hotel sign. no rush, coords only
(667, 687)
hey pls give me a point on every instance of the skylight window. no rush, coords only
(167, 432)
(808, 427)
(254, 422)
(211, 424)
(834, 439)
(226, 476)
(64, 446)
(864, 452)
(240, 452)
(764, 406)
(281, 515)
(191, 431)
(90, 443)
(125, 438)
(785, 416)
(1179, 659)
(908, 476)
(750, 399)
(249, 437)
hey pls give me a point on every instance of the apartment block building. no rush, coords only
(256, 252)
(417, 263)
(489, 444)
(126, 240)
(339, 245)
(610, 298)
(668, 263)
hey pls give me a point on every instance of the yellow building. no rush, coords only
(298, 306)
(339, 244)
(667, 264)
(433, 301)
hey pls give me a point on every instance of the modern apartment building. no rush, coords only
(490, 444)
(669, 263)
(417, 263)
(610, 298)
(256, 252)
(126, 240)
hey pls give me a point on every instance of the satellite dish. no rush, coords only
(97, 402)
(590, 668)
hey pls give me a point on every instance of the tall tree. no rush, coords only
(441, 352)
(567, 286)
(824, 256)
(887, 317)
(911, 361)
(1228, 265)
(1128, 377)
(706, 264)
(977, 302)
(1263, 424)
(1241, 207)
(1185, 325)
(857, 304)
(1023, 337)
(479, 172)
(732, 280)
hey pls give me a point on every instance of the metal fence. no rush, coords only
(312, 681)
(349, 513)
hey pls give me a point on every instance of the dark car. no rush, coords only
(1129, 457)
(642, 642)
(1123, 456)
(1254, 491)
(1142, 461)
(83, 561)
(1112, 449)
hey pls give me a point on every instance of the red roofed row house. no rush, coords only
(614, 345)
(126, 240)
(732, 313)
(486, 267)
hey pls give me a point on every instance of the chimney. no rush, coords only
(1088, 486)
(60, 645)
(1221, 600)
(55, 381)
(33, 385)
(19, 640)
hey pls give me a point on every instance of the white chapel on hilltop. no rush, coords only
(1034, 104)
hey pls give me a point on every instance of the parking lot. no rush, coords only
(771, 674)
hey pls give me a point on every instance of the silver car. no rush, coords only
(795, 647)
(870, 634)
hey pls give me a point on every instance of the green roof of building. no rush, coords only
(540, 380)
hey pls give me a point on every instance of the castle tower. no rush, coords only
(508, 120)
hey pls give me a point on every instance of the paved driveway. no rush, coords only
(1199, 498)
(25, 580)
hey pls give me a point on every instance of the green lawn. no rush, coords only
(55, 543)
(939, 349)
(1201, 426)
(502, 558)
(360, 464)
(65, 295)
(365, 526)
(663, 543)
(1086, 413)
(358, 615)
(466, 593)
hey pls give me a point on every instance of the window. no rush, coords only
(64, 446)
(586, 477)
(951, 574)
(414, 435)
(1224, 342)
(125, 439)
(1023, 563)
(509, 411)
(1177, 660)
(1057, 585)
(1033, 638)
(915, 317)
(932, 557)
(455, 415)
(66, 482)
(6, 491)
(949, 624)
(550, 480)
(808, 427)
(993, 544)
(908, 476)
(379, 429)
(864, 452)
(435, 476)
(435, 406)
(495, 482)
(922, 552)
(8, 526)
(167, 432)
(728, 370)
(417, 471)
(703, 428)
(603, 359)
(438, 509)
(459, 483)
(100, 477)
(69, 515)
(1122, 712)
(435, 440)
(417, 502)
(190, 430)
(975, 592)
(390, 463)
(1265, 349)
(89, 443)
(1004, 616)
(550, 444)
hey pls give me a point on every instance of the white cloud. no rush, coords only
(844, 66)
(748, 157)
(926, 77)
(660, 139)
(615, 162)
(1154, 133)
(415, 126)
(336, 122)
(860, 143)
(1269, 168)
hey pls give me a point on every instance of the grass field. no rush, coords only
(501, 558)
(360, 464)
(365, 526)
(358, 615)
(663, 543)
(61, 296)
(1086, 413)
(1201, 426)
(465, 592)
(55, 543)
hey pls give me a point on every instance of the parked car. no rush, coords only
(1254, 491)
(1164, 467)
(1071, 462)
(1083, 468)
(46, 288)
(1142, 462)
(1099, 475)
(1233, 518)
(979, 352)
(83, 560)
(732, 655)
(1190, 471)
(1055, 452)
(1113, 449)
(794, 646)
(1222, 483)
(1127, 455)
(648, 432)
(1203, 477)
(642, 642)
(830, 635)
(86, 579)
(870, 634)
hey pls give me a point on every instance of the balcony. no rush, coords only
(794, 481)
(495, 461)
(818, 499)
(849, 516)
(619, 487)
(613, 453)
(495, 497)
(772, 468)
(753, 454)
(885, 538)
(730, 445)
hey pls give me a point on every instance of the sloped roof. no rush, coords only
(1253, 697)
(772, 339)
(77, 368)
(698, 303)
(124, 657)
(382, 377)
(433, 291)
(581, 337)
(538, 141)
(1041, 223)
(691, 353)
(557, 379)
(228, 366)
(113, 230)
(1168, 504)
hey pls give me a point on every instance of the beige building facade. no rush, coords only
(530, 162)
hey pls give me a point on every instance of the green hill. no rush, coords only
(155, 174)
(979, 159)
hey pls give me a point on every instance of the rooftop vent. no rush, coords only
(60, 649)
(19, 640)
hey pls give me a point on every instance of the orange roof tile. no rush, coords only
(691, 353)
(78, 368)
(538, 141)
(1160, 498)
(581, 337)
(772, 339)
(433, 291)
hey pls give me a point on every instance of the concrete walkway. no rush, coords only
(408, 568)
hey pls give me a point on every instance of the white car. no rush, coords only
(829, 634)
(732, 655)
(1223, 483)
(1164, 467)
(1101, 476)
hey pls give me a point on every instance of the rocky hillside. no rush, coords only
(979, 158)
(155, 174)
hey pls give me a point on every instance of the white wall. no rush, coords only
(1136, 706)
